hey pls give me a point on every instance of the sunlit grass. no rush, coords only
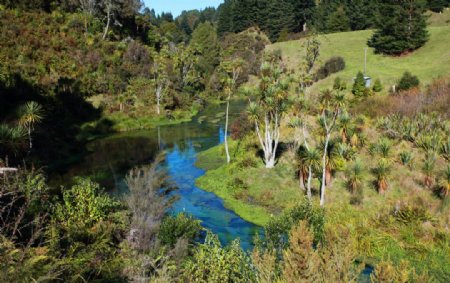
(429, 62)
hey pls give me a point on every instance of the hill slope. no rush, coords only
(430, 61)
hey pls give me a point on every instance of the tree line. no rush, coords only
(279, 18)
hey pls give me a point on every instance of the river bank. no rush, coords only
(255, 193)
(109, 158)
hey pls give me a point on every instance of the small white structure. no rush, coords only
(368, 81)
(3, 170)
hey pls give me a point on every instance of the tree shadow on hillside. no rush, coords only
(281, 149)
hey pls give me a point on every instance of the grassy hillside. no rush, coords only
(430, 61)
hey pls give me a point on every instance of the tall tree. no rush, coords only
(280, 16)
(338, 21)
(332, 105)
(303, 12)
(437, 6)
(159, 76)
(204, 38)
(269, 108)
(30, 114)
(361, 13)
(244, 14)
(225, 21)
(232, 70)
(401, 27)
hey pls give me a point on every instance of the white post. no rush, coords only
(365, 61)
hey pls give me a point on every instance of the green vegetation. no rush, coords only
(408, 81)
(401, 27)
(321, 139)
(221, 179)
(122, 122)
(340, 178)
(350, 46)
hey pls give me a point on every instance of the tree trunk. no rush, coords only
(324, 171)
(108, 21)
(270, 142)
(29, 137)
(329, 176)
(158, 110)
(309, 183)
(158, 98)
(159, 137)
(226, 131)
(301, 179)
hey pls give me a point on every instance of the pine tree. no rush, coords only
(359, 86)
(408, 81)
(303, 13)
(184, 25)
(225, 22)
(323, 12)
(377, 87)
(262, 18)
(244, 14)
(204, 39)
(401, 27)
(338, 21)
(280, 16)
(361, 13)
(437, 6)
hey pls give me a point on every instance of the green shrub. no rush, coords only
(359, 85)
(339, 84)
(377, 86)
(178, 227)
(213, 263)
(84, 205)
(237, 184)
(411, 214)
(333, 65)
(247, 163)
(276, 232)
(407, 81)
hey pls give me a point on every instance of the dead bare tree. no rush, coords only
(148, 202)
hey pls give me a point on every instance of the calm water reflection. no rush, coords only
(112, 157)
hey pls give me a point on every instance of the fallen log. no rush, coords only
(6, 169)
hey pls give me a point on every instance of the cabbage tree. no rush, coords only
(269, 107)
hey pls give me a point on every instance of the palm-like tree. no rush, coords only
(445, 149)
(344, 125)
(296, 123)
(311, 160)
(428, 168)
(12, 139)
(444, 184)
(30, 114)
(406, 158)
(345, 151)
(355, 176)
(429, 142)
(382, 172)
(384, 147)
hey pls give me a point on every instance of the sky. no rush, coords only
(177, 6)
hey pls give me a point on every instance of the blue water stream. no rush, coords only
(109, 160)
(205, 206)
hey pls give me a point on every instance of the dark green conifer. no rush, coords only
(359, 85)
(401, 27)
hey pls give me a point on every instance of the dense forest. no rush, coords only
(347, 177)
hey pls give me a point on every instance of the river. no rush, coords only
(110, 158)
